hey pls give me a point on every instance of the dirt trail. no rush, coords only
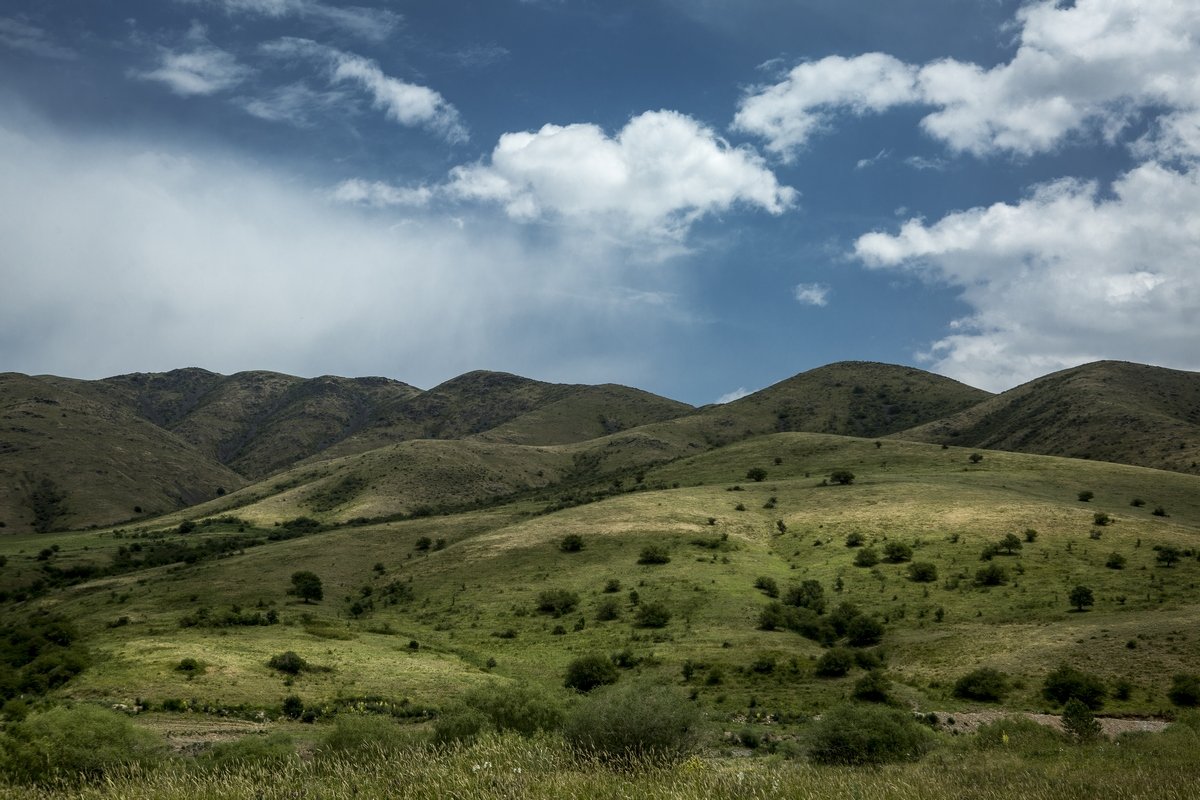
(969, 721)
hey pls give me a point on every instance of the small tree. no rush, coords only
(1067, 682)
(874, 687)
(867, 557)
(1101, 518)
(767, 585)
(557, 601)
(756, 474)
(842, 477)
(864, 631)
(975, 458)
(985, 683)
(571, 543)
(1030, 535)
(307, 586)
(1185, 690)
(1079, 721)
(653, 615)
(1011, 543)
(855, 539)
(654, 554)
(809, 594)
(1082, 596)
(835, 663)
(1115, 561)
(991, 575)
(1086, 496)
(1168, 555)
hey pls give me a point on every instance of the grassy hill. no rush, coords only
(470, 594)
(69, 461)
(1107, 411)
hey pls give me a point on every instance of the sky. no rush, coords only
(695, 197)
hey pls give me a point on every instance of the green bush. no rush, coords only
(652, 615)
(557, 601)
(462, 724)
(864, 631)
(360, 733)
(756, 474)
(855, 539)
(842, 477)
(571, 543)
(1078, 721)
(515, 708)
(867, 557)
(897, 552)
(767, 585)
(590, 672)
(985, 684)
(80, 743)
(991, 575)
(1020, 734)
(634, 721)
(835, 663)
(273, 749)
(809, 594)
(288, 662)
(874, 687)
(654, 554)
(1115, 561)
(1185, 690)
(1067, 682)
(608, 610)
(868, 735)
(922, 572)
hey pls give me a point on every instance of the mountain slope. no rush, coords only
(1107, 411)
(68, 460)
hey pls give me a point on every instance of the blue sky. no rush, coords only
(696, 197)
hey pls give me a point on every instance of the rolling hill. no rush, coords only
(1107, 411)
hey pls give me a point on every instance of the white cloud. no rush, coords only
(812, 294)
(864, 163)
(374, 24)
(380, 195)
(653, 179)
(789, 113)
(296, 104)
(736, 394)
(1083, 69)
(20, 35)
(119, 258)
(1069, 275)
(198, 69)
(406, 103)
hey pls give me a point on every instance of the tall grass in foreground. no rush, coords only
(1161, 766)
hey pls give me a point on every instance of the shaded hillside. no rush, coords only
(849, 398)
(481, 401)
(254, 422)
(68, 460)
(1106, 411)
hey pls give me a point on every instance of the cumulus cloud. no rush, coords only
(20, 35)
(652, 179)
(198, 68)
(1087, 68)
(409, 104)
(374, 24)
(812, 294)
(119, 258)
(1069, 275)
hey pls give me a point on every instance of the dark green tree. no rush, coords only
(307, 586)
(1082, 596)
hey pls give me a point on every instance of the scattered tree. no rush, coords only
(654, 554)
(307, 586)
(985, 684)
(835, 663)
(867, 557)
(1185, 690)
(1168, 555)
(855, 539)
(652, 615)
(1101, 518)
(756, 474)
(590, 671)
(557, 601)
(1086, 496)
(922, 572)
(975, 458)
(991, 575)
(1115, 561)
(809, 594)
(1067, 682)
(1082, 596)
(842, 477)
(897, 552)
(1011, 543)
(767, 585)
(571, 543)
(1079, 722)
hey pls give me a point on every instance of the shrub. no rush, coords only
(897, 552)
(634, 721)
(756, 474)
(461, 724)
(984, 684)
(975, 458)
(514, 708)
(864, 631)
(1031, 535)
(1086, 496)
(1011, 543)
(835, 663)
(1159, 511)
(855, 539)
(571, 543)
(652, 615)
(1115, 561)
(1101, 518)
(273, 749)
(809, 594)
(71, 744)
(1185, 690)
(1168, 555)
(1067, 682)
(293, 707)
(360, 733)
(767, 585)
(842, 477)
(873, 687)
(608, 610)
(1078, 721)
(288, 662)
(654, 554)
(922, 572)
(589, 672)
(868, 735)
(557, 601)
(612, 586)
(867, 557)
(991, 575)
(189, 666)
